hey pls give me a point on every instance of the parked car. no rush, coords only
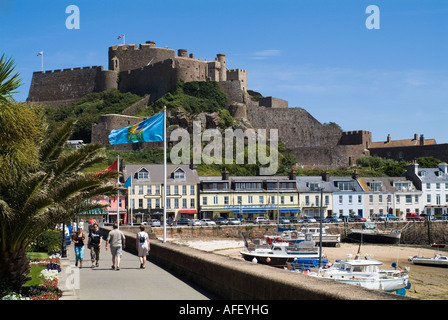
(388, 217)
(208, 222)
(183, 221)
(221, 221)
(154, 223)
(294, 220)
(233, 221)
(261, 220)
(195, 222)
(306, 219)
(413, 216)
(283, 220)
(359, 219)
(332, 219)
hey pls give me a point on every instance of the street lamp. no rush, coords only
(320, 225)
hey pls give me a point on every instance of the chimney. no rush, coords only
(225, 174)
(443, 167)
(412, 168)
(292, 175)
(355, 174)
(415, 136)
(422, 140)
(388, 138)
(325, 176)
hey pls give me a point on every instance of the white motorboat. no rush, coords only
(278, 254)
(365, 273)
(437, 261)
(294, 236)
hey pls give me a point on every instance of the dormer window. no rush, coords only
(179, 174)
(143, 174)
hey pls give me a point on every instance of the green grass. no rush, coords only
(35, 270)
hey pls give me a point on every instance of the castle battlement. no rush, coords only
(100, 68)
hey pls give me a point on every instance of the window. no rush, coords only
(408, 199)
(184, 203)
(143, 174)
(140, 189)
(184, 189)
(327, 200)
(350, 199)
(359, 199)
(204, 200)
(307, 200)
(437, 198)
(148, 203)
(214, 186)
(192, 203)
(273, 199)
(370, 198)
(176, 203)
(168, 190)
(428, 198)
(340, 199)
(380, 198)
(176, 190)
(261, 199)
(437, 186)
(250, 199)
(192, 190)
(239, 199)
(291, 199)
(215, 200)
(140, 203)
(157, 189)
(416, 199)
(133, 203)
(168, 203)
(397, 198)
(226, 200)
(282, 199)
(428, 186)
(157, 203)
(179, 175)
(345, 185)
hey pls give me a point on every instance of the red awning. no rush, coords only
(187, 211)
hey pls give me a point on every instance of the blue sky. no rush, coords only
(316, 54)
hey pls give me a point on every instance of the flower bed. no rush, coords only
(44, 285)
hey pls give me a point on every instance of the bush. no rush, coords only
(49, 240)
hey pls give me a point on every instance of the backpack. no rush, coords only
(141, 237)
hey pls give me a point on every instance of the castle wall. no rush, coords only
(156, 79)
(296, 127)
(64, 86)
(134, 57)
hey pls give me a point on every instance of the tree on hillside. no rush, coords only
(41, 184)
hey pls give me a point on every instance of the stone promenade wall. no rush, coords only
(234, 279)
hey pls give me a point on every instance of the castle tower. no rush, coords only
(222, 70)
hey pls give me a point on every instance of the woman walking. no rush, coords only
(142, 246)
(78, 239)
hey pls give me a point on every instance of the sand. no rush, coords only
(427, 283)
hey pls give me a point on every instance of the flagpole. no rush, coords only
(164, 174)
(118, 193)
(42, 61)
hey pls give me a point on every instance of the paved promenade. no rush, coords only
(129, 283)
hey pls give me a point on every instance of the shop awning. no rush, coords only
(188, 211)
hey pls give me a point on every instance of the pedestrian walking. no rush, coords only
(116, 241)
(78, 239)
(94, 244)
(142, 244)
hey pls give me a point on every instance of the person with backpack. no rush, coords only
(142, 244)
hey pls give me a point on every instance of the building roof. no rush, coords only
(403, 143)
(156, 173)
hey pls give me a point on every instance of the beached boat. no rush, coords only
(369, 233)
(279, 253)
(365, 273)
(437, 261)
(294, 236)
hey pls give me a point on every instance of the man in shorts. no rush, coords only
(116, 240)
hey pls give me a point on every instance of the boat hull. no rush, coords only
(388, 285)
(276, 260)
(389, 238)
(430, 262)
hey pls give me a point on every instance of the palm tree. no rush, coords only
(8, 81)
(39, 200)
(48, 189)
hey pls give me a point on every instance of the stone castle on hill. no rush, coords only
(151, 71)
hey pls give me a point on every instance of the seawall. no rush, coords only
(235, 279)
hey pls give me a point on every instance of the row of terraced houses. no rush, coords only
(419, 190)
